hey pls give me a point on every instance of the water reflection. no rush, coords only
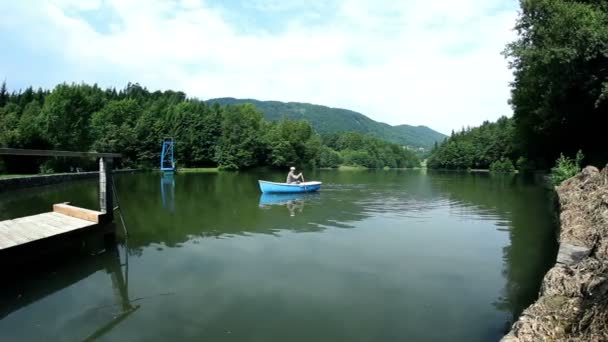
(518, 206)
(293, 202)
(167, 191)
(423, 255)
(55, 276)
(120, 285)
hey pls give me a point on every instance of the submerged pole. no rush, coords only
(106, 196)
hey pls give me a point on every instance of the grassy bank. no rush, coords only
(198, 169)
(352, 168)
(14, 176)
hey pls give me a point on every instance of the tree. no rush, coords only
(113, 129)
(67, 112)
(3, 94)
(31, 134)
(560, 64)
(477, 147)
(240, 144)
(291, 143)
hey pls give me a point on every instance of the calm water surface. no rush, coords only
(375, 256)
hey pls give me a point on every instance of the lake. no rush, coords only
(374, 256)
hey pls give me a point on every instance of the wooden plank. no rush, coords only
(52, 153)
(70, 221)
(7, 238)
(11, 234)
(27, 230)
(57, 223)
(37, 227)
(42, 225)
(81, 213)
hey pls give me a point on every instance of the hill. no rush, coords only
(331, 120)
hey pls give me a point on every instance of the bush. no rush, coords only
(523, 164)
(46, 168)
(358, 158)
(502, 165)
(329, 158)
(566, 168)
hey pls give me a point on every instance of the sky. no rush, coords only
(420, 62)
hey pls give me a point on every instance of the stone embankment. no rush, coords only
(573, 302)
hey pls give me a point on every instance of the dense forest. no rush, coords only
(326, 120)
(559, 93)
(133, 121)
(475, 148)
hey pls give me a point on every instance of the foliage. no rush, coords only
(566, 168)
(329, 158)
(475, 148)
(66, 115)
(560, 89)
(326, 120)
(45, 168)
(356, 149)
(503, 165)
(291, 143)
(559, 94)
(240, 143)
(523, 164)
(133, 121)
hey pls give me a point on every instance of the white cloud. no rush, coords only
(433, 62)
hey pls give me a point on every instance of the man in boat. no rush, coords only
(293, 178)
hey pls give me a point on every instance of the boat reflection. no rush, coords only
(294, 202)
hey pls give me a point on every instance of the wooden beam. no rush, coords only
(81, 213)
(52, 153)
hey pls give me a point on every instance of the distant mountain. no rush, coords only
(330, 120)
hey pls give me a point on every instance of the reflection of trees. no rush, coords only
(57, 274)
(531, 212)
(213, 205)
(218, 204)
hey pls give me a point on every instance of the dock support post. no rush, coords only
(106, 196)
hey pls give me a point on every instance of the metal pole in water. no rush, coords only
(105, 188)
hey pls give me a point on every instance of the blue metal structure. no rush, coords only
(270, 187)
(167, 163)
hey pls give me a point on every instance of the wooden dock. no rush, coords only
(63, 219)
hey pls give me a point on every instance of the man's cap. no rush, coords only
(292, 168)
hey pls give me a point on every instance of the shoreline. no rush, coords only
(573, 298)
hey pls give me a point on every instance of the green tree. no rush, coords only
(113, 129)
(561, 79)
(329, 158)
(3, 94)
(31, 133)
(240, 144)
(291, 143)
(67, 112)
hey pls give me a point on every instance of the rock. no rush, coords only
(573, 302)
(569, 254)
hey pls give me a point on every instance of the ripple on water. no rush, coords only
(403, 206)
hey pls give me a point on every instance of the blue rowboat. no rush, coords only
(271, 187)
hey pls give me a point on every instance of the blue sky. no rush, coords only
(433, 62)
